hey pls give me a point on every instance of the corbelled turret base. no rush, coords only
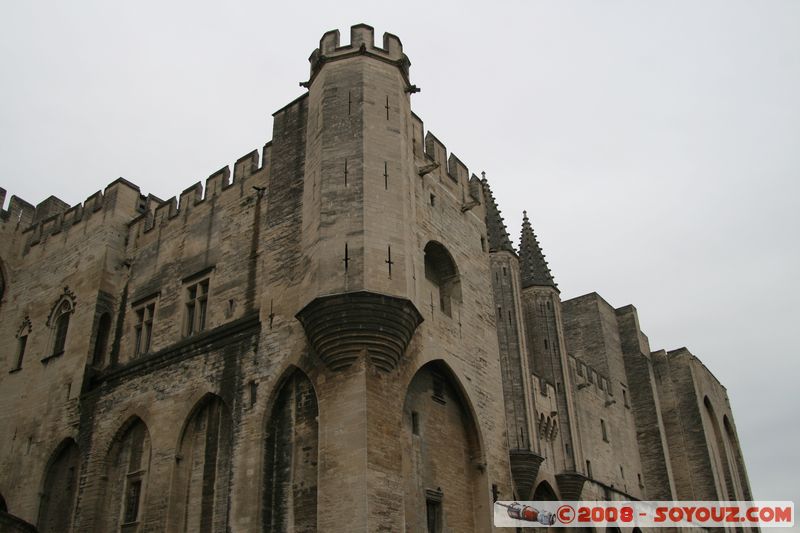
(524, 469)
(342, 326)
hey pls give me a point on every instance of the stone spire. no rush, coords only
(533, 267)
(495, 226)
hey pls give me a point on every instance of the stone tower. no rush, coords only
(391, 246)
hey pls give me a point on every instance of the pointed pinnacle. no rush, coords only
(533, 266)
(495, 226)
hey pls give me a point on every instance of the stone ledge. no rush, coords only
(200, 343)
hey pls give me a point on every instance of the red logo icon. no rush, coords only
(565, 514)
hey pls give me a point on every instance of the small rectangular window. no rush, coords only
(132, 501)
(196, 307)
(415, 422)
(604, 429)
(625, 399)
(144, 327)
(433, 511)
(588, 468)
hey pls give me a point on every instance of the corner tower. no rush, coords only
(379, 239)
(355, 212)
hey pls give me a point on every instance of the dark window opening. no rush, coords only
(588, 468)
(625, 398)
(414, 422)
(433, 510)
(62, 325)
(132, 501)
(196, 305)
(545, 343)
(433, 200)
(604, 430)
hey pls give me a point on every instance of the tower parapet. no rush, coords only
(362, 42)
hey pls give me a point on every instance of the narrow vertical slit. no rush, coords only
(345, 172)
(389, 261)
(387, 107)
(349, 102)
(385, 175)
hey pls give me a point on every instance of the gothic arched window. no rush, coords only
(59, 321)
(61, 327)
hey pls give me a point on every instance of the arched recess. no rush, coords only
(544, 493)
(442, 272)
(443, 462)
(59, 489)
(289, 499)
(720, 455)
(737, 466)
(200, 498)
(125, 484)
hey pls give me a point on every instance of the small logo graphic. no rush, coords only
(565, 514)
(517, 511)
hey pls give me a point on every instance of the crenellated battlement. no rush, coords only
(362, 42)
(220, 183)
(19, 211)
(586, 375)
(54, 216)
(429, 148)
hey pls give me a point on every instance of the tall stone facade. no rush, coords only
(336, 335)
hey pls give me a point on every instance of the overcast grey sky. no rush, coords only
(655, 145)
